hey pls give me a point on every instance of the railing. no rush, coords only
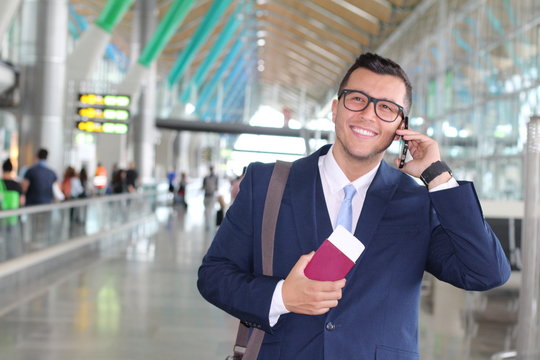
(513, 355)
(35, 228)
(504, 355)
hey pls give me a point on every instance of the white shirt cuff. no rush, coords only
(452, 183)
(277, 308)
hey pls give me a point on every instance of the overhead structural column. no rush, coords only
(93, 42)
(43, 62)
(8, 8)
(137, 74)
(203, 31)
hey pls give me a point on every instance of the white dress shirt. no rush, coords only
(333, 181)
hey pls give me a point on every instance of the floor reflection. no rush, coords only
(461, 325)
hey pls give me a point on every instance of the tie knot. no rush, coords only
(349, 192)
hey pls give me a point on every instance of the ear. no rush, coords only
(401, 127)
(402, 124)
(334, 110)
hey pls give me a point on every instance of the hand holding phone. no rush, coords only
(405, 144)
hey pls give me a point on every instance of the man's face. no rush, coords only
(362, 136)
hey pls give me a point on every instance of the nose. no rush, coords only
(370, 110)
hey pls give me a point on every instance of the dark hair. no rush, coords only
(7, 166)
(69, 172)
(382, 66)
(42, 154)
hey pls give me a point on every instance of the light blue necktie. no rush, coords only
(344, 217)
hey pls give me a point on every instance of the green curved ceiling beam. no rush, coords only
(203, 31)
(112, 13)
(219, 45)
(211, 84)
(165, 30)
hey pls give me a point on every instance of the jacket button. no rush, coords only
(330, 326)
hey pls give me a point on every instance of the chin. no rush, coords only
(363, 155)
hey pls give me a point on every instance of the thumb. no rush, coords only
(303, 261)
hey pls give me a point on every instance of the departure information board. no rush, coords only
(103, 113)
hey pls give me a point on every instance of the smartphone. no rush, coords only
(405, 145)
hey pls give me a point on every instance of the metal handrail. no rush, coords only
(504, 355)
(75, 203)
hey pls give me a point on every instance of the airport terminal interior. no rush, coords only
(143, 97)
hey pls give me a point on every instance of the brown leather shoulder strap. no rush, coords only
(272, 203)
(271, 211)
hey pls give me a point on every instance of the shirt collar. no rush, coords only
(336, 178)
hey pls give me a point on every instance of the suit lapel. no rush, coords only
(377, 199)
(309, 208)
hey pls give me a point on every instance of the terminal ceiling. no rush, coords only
(308, 44)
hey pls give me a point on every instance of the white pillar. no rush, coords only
(528, 342)
(43, 58)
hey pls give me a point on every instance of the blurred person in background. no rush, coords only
(83, 177)
(100, 179)
(11, 184)
(118, 183)
(210, 187)
(11, 197)
(39, 180)
(181, 193)
(71, 184)
(132, 178)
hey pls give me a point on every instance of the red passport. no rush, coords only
(335, 257)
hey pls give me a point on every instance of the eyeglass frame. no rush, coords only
(373, 100)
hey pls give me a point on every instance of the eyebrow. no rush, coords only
(384, 98)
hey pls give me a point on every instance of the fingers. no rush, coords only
(413, 135)
(423, 149)
(305, 296)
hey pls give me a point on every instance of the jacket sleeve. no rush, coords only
(230, 276)
(463, 250)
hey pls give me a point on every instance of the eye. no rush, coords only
(358, 98)
(387, 107)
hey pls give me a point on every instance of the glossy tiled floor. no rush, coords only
(141, 302)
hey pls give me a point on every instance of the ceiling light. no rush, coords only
(189, 109)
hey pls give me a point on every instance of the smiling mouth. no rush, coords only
(364, 132)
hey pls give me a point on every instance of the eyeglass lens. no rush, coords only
(357, 101)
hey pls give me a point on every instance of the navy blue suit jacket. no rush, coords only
(406, 231)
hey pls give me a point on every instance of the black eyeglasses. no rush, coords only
(356, 100)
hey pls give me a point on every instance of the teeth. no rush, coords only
(363, 132)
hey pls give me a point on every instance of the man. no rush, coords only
(39, 180)
(210, 187)
(406, 228)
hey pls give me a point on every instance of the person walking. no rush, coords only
(406, 227)
(210, 187)
(39, 180)
(40, 186)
